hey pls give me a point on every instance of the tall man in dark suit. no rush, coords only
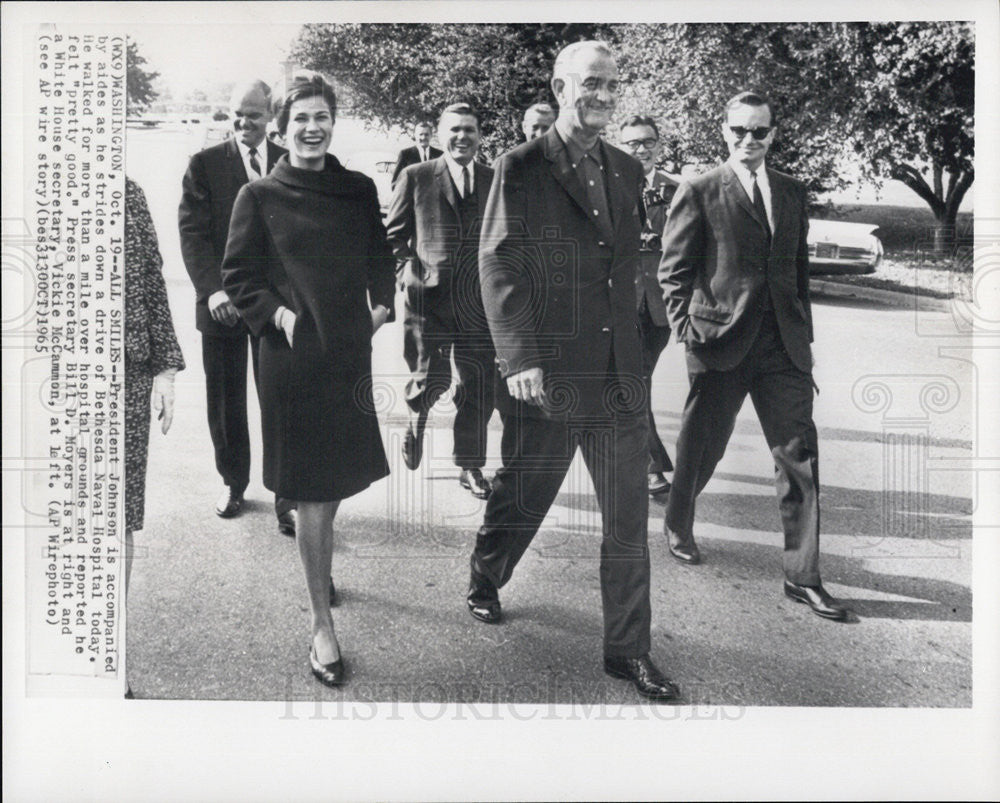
(433, 224)
(735, 276)
(420, 151)
(213, 178)
(641, 138)
(557, 265)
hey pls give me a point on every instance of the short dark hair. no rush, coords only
(423, 122)
(749, 97)
(641, 119)
(459, 108)
(305, 84)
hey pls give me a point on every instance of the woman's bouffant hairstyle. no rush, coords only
(305, 84)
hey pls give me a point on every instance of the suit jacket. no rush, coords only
(647, 284)
(424, 228)
(411, 156)
(211, 183)
(558, 293)
(718, 269)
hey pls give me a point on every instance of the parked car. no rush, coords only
(836, 246)
(377, 165)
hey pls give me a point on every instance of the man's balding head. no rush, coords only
(585, 82)
(250, 106)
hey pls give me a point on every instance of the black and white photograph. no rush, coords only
(441, 401)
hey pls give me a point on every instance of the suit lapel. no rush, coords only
(446, 185)
(273, 154)
(779, 199)
(237, 169)
(621, 193)
(483, 179)
(563, 172)
(738, 194)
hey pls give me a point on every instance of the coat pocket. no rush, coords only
(709, 313)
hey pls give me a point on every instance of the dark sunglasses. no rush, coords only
(758, 133)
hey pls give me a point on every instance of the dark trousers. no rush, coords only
(434, 333)
(654, 340)
(225, 363)
(537, 453)
(782, 395)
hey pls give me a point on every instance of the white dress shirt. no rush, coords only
(456, 174)
(261, 158)
(746, 180)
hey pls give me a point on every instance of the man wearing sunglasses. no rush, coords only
(735, 276)
(641, 138)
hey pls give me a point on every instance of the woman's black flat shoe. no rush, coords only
(327, 674)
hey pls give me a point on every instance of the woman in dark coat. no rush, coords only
(306, 252)
(152, 354)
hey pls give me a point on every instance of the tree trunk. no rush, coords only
(945, 209)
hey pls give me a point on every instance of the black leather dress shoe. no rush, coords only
(287, 522)
(229, 504)
(472, 479)
(483, 599)
(333, 594)
(683, 549)
(327, 674)
(647, 679)
(413, 442)
(658, 484)
(818, 599)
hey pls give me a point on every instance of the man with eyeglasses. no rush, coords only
(641, 138)
(735, 276)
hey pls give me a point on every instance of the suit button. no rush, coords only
(611, 283)
(600, 243)
(606, 329)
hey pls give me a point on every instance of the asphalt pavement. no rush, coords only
(217, 608)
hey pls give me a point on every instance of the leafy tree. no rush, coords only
(891, 99)
(138, 81)
(683, 75)
(913, 111)
(396, 73)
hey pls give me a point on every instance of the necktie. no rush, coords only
(466, 183)
(254, 164)
(423, 154)
(758, 203)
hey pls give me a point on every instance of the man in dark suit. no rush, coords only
(213, 178)
(641, 138)
(557, 263)
(735, 276)
(420, 151)
(433, 224)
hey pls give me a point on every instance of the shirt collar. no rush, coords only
(575, 152)
(456, 172)
(744, 175)
(245, 149)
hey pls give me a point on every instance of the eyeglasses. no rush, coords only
(648, 144)
(758, 133)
